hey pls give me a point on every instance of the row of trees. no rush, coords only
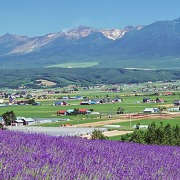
(160, 135)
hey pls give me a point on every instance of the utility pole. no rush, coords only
(130, 120)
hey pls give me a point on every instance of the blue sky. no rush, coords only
(40, 17)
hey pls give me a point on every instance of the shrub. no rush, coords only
(97, 134)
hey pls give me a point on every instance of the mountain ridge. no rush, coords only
(152, 46)
(25, 44)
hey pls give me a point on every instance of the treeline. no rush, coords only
(82, 76)
(160, 135)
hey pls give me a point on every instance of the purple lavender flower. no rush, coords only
(37, 156)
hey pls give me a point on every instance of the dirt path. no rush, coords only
(110, 133)
(102, 123)
(115, 133)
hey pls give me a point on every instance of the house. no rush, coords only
(61, 112)
(72, 97)
(95, 113)
(24, 121)
(29, 96)
(176, 102)
(70, 111)
(112, 126)
(18, 122)
(85, 103)
(101, 101)
(12, 99)
(159, 100)
(168, 93)
(28, 121)
(83, 111)
(117, 100)
(140, 126)
(22, 102)
(146, 100)
(93, 102)
(36, 104)
(150, 110)
(65, 97)
(175, 109)
(79, 97)
(59, 103)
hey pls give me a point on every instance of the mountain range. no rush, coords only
(154, 46)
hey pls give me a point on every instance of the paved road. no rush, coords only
(57, 131)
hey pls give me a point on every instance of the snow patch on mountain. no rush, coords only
(113, 33)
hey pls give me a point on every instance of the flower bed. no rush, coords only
(26, 156)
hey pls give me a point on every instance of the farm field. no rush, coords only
(131, 103)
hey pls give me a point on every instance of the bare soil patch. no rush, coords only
(110, 133)
(102, 123)
(44, 82)
(115, 133)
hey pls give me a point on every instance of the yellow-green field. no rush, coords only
(75, 65)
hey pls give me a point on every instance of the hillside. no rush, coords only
(82, 76)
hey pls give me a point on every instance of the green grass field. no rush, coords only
(130, 104)
(129, 125)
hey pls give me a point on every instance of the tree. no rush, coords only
(150, 135)
(176, 135)
(126, 138)
(120, 110)
(157, 100)
(159, 133)
(168, 135)
(162, 108)
(137, 126)
(97, 134)
(76, 111)
(138, 136)
(9, 117)
(1, 126)
(31, 101)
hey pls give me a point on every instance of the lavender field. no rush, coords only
(40, 157)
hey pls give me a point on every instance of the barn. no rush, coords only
(61, 112)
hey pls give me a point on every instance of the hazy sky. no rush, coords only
(40, 17)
